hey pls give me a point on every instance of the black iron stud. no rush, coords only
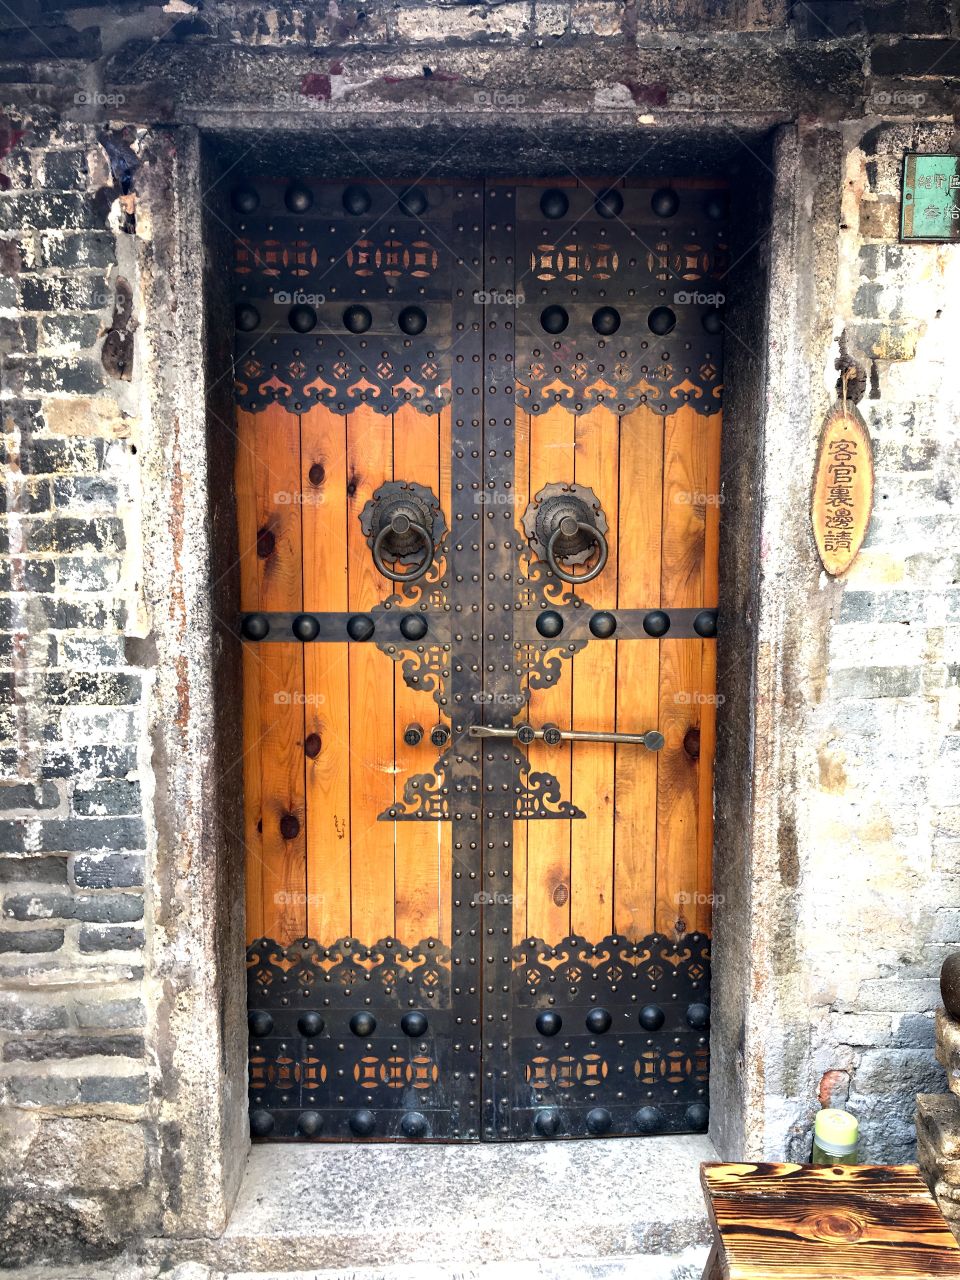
(712, 322)
(412, 320)
(550, 623)
(261, 1123)
(310, 1024)
(440, 735)
(298, 198)
(363, 1024)
(413, 1023)
(651, 1017)
(244, 199)
(247, 317)
(356, 200)
(413, 202)
(554, 203)
(549, 1023)
(305, 627)
(649, 1120)
(526, 734)
(599, 1120)
(554, 319)
(606, 320)
(705, 623)
(547, 1121)
(656, 623)
(363, 1122)
(255, 626)
(698, 1116)
(603, 625)
(698, 1015)
(360, 626)
(609, 204)
(598, 1021)
(414, 1125)
(357, 319)
(259, 1022)
(715, 207)
(661, 321)
(665, 202)
(310, 1123)
(413, 734)
(302, 318)
(413, 626)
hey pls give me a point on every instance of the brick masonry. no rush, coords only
(868, 894)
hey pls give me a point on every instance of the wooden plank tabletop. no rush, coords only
(810, 1222)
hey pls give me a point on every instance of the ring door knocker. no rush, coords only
(403, 525)
(565, 522)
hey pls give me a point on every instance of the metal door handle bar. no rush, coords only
(551, 734)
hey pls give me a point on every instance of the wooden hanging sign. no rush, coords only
(842, 488)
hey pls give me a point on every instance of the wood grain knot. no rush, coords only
(836, 1225)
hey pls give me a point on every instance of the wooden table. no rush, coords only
(807, 1222)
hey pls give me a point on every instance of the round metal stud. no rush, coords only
(697, 1116)
(356, 200)
(651, 1017)
(414, 1125)
(698, 1015)
(549, 1023)
(413, 202)
(599, 1120)
(302, 318)
(526, 734)
(661, 321)
(412, 320)
(554, 319)
(649, 1120)
(357, 319)
(552, 737)
(244, 199)
(712, 322)
(550, 623)
(598, 1021)
(554, 203)
(247, 317)
(298, 198)
(609, 204)
(413, 626)
(259, 1022)
(413, 1023)
(310, 1024)
(547, 1121)
(715, 207)
(360, 626)
(665, 202)
(603, 625)
(363, 1024)
(261, 1123)
(255, 627)
(656, 623)
(606, 320)
(363, 1122)
(309, 1123)
(305, 627)
(705, 623)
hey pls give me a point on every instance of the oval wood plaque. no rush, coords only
(842, 489)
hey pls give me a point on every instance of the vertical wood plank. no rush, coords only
(638, 673)
(445, 829)
(369, 465)
(521, 497)
(708, 681)
(548, 840)
(682, 581)
(246, 489)
(326, 676)
(596, 465)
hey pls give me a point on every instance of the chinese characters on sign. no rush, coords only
(842, 489)
(930, 208)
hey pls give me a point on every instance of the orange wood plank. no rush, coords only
(246, 489)
(521, 497)
(708, 681)
(369, 465)
(445, 835)
(685, 478)
(326, 676)
(416, 457)
(548, 840)
(596, 465)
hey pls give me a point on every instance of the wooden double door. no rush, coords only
(478, 441)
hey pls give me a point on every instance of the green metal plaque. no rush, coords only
(930, 208)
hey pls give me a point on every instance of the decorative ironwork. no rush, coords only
(346, 973)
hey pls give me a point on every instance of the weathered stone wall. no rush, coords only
(115, 936)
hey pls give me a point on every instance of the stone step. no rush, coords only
(947, 1048)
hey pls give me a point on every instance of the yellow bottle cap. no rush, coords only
(836, 1130)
